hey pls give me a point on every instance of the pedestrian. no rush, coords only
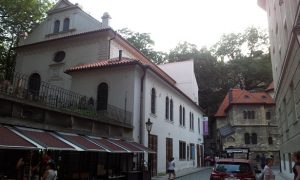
(171, 168)
(50, 173)
(268, 172)
(296, 167)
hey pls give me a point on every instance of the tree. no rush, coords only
(144, 43)
(183, 51)
(17, 18)
(252, 42)
(248, 65)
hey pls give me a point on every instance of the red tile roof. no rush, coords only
(128, 61)
(239, 96)
(103, 63)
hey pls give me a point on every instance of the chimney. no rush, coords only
(105, 20)
(230, 96)
(120, 55)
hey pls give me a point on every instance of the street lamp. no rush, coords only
(296, 31)
(149, 127)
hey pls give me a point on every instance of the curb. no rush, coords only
(182, 175)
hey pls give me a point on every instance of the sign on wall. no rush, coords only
(205, 126)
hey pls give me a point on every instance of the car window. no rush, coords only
(233, 167)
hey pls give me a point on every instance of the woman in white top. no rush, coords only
(268, 173)
(171, 168)
(50, 173)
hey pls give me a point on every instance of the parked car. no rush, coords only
(233, 169)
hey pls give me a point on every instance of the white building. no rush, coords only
(283, 21)
(72, 50)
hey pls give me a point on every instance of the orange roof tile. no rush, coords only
(239, 96)
(103, 63)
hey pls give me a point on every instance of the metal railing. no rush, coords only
(29, 89)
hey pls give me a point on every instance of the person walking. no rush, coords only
(171, 169)
(296, 167)
(268, 172)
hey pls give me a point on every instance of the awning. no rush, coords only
(46, 139)
(110, 146)
(82, 142)
(126, 145)
(13, 137)
(142, 147)
(10, 139)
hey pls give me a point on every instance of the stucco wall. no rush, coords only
(79, 51)
(285, 56)
(183, 73)
(164, 128)
(79, 22)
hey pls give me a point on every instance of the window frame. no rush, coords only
(56, 27)
(253, 138)
(167, 110)
(182, 150)
(247, 138)
(153, 101)
(66, 25)
(171, 110)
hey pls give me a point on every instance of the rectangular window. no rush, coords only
(199, 127)
(268, 115)
(192, 151)
(188, 152)
(183, 116)
(182, 150)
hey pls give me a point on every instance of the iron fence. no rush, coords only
(45, 94)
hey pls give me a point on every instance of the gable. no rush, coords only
(62, 4)
(79, 22)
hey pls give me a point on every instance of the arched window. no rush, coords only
(66, 24)
(245, 114)
(254, 138)
(249, 114)
(153, 96)
(247, 138)
(190, 120)
(167, 107)
(34, 84)
(102, 96)
(56, 26)
(171, 109)
(183, 116)
(270, 140)
(253, 114)
(180, 115)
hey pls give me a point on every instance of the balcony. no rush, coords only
(23, 90)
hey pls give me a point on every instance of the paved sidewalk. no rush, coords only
(181, 173)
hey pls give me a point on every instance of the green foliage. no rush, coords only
(248, 65)
(16, 18)
(144, 43)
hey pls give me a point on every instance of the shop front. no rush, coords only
(75, 156)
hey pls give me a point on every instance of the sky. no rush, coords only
(201, 22)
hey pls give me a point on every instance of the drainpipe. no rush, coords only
(142, 119)
(109, 41)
